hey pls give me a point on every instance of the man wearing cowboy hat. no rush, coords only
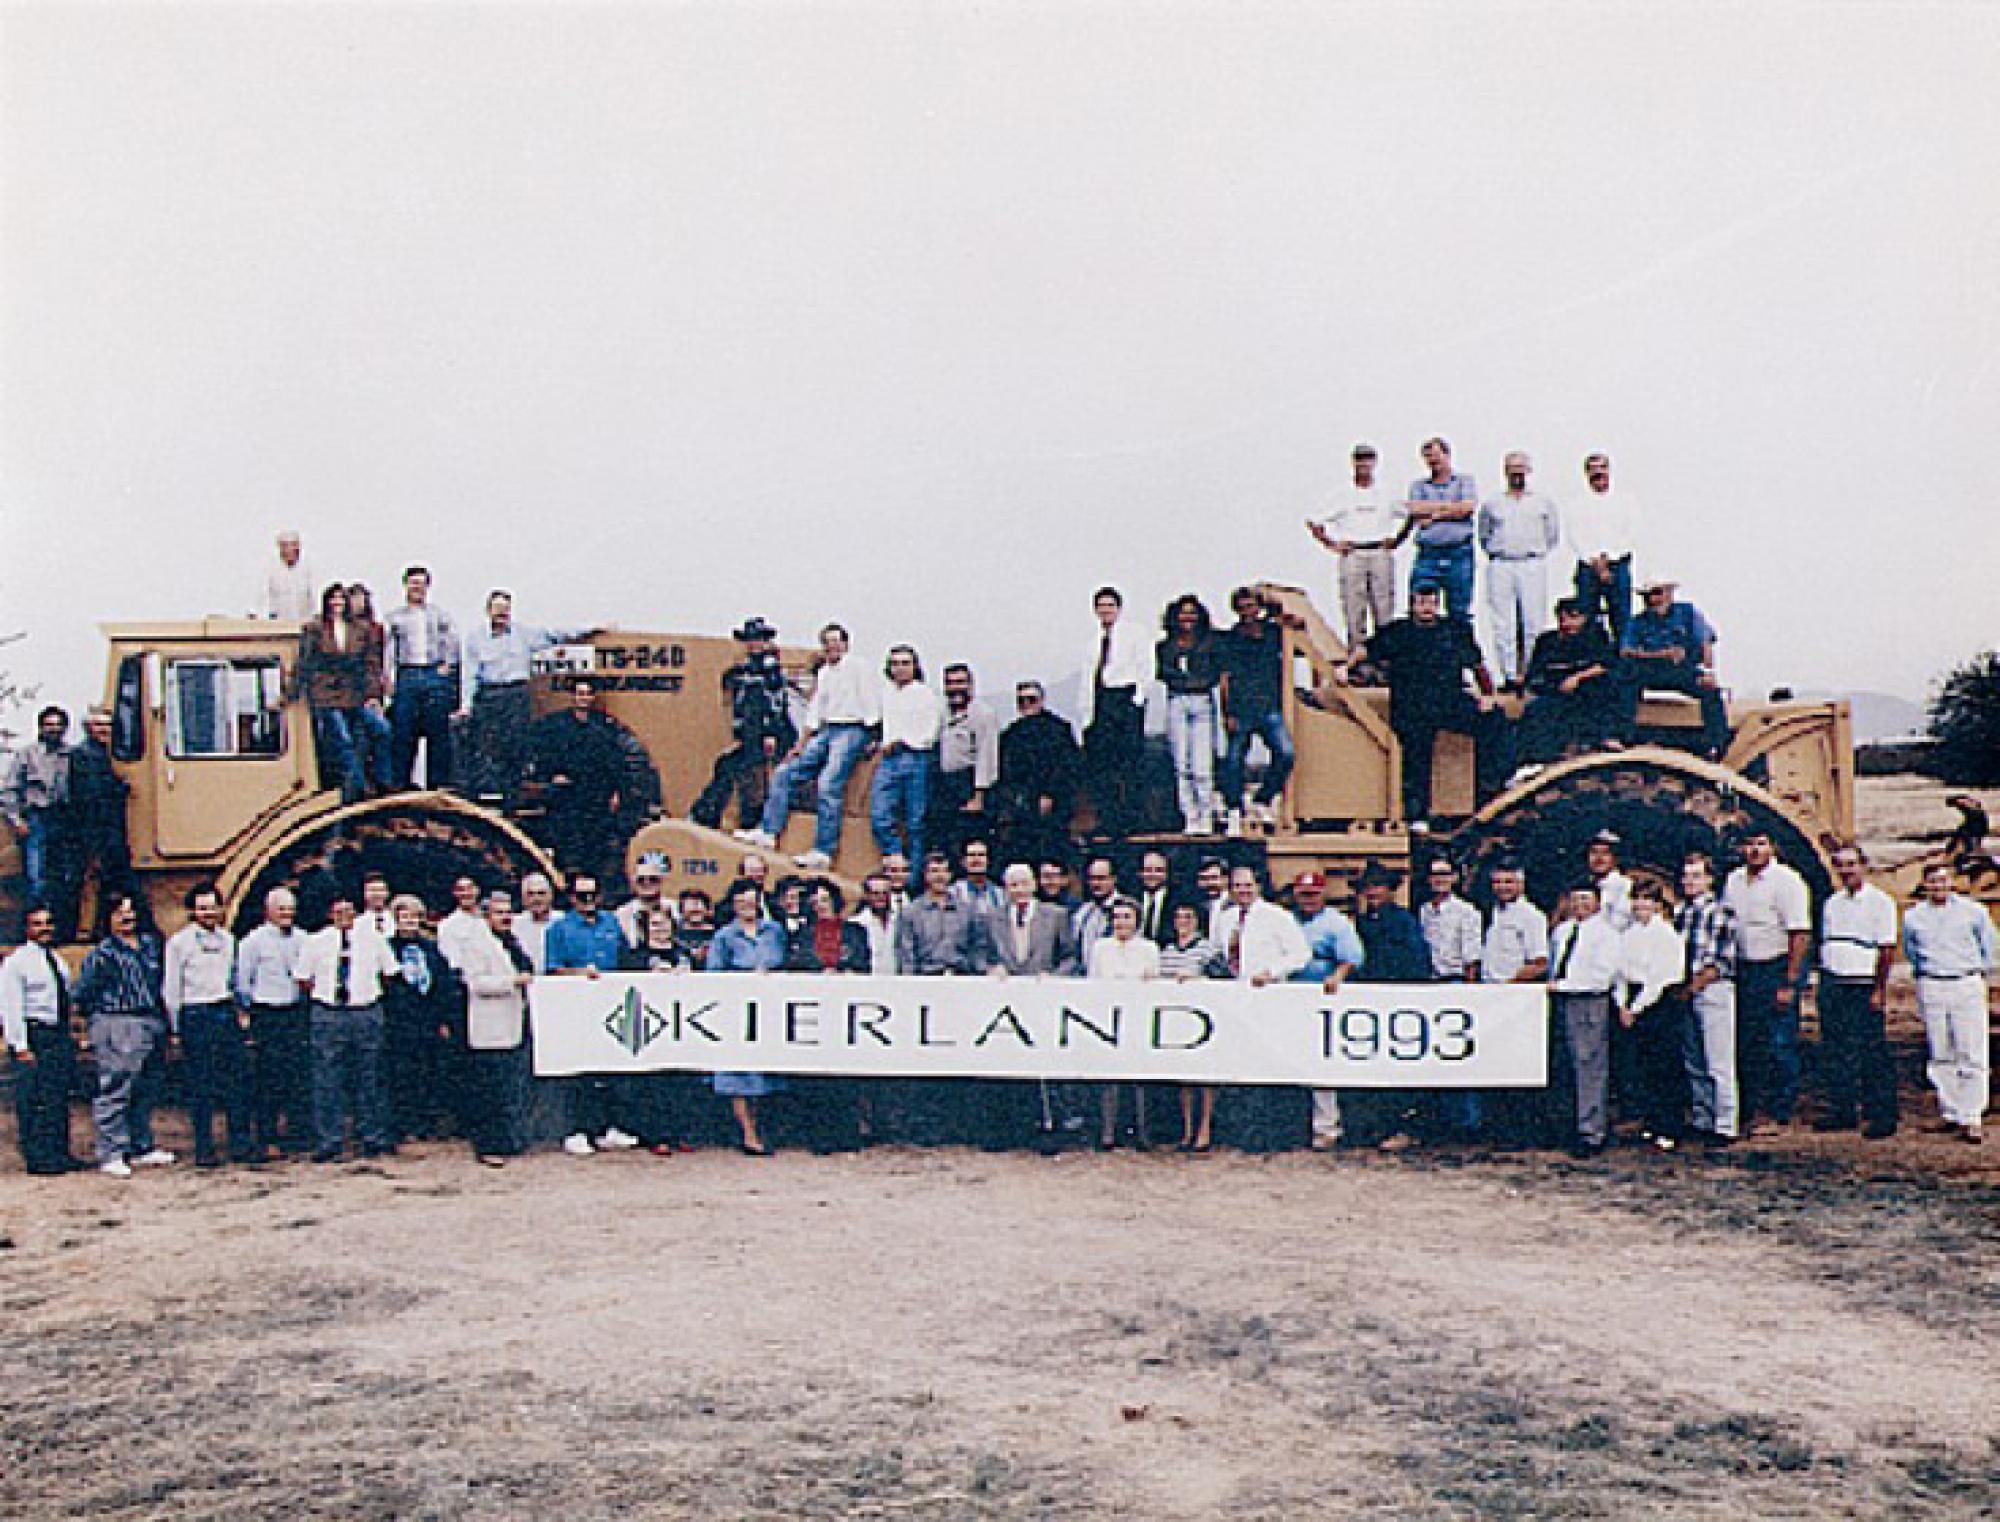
(760, 716)
(1670, 647)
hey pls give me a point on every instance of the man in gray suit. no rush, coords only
(1026, 938)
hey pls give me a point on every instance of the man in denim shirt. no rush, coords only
(1441, 508)
(1670, 647)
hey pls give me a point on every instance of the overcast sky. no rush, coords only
(931, 317)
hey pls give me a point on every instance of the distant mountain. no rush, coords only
(1879, 715)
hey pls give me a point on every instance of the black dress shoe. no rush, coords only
(1876, 1131)
(207, 1160)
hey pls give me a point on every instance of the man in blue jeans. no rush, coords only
(1442, 506)
(424, 659)
(846, 705)
(1670, 647)
(1253, 708)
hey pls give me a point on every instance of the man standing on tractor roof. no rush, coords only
(1601, 528)
(423, 666)
(499, 658)
(1441, 506)
(1517, 529)
(1363, 526)
(846, 705)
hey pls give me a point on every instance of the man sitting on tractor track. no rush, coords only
(1670, 647)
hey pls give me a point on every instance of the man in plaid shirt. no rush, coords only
(1708, 928)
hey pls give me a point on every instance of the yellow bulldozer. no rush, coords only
(225, 779)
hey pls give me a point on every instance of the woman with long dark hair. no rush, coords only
(1187, 661)
(334, 674)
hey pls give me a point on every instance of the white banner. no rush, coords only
(1388, 1036)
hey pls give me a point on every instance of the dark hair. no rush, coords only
(1108, 591)
(958, 666)
(498, 592)
(743, 885)
(206, 886)
(832, 887)
(1650, 891)
(383, 878)
(1597, 455)
(1703, 857)
(110, 906)
(938, 857)
(1568, 605)
(840, 629)
(53, 711)
(1170, 620)
(1441, 442)
(416, 570)
(333, 590)
(911, 651)
(695, 893)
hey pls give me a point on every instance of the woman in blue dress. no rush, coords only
(750, 942)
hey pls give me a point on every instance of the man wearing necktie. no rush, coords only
(1024, 938)
(1114, 714)
(1156, 920)
(35, 1014)
(343, 969)
(1584, 953)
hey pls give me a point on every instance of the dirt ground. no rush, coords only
(1804, 1327)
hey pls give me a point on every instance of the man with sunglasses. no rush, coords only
(1040, 767)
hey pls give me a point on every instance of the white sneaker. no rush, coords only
(1267, 816)
(159, 1157)
(812, 861)
(116, 1168)
(1526, 773)
(1233, 825)
(1420, 827)
(576, 1144)
(1201, 824)
(616, 1140)
(756, 838)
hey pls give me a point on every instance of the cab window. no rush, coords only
(225, 708)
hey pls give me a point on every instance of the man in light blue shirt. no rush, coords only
(267, 986)
(499, 657)
(1441, 508)
(1950, 943)
(1517, 530)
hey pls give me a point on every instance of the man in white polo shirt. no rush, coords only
(1773, 933)
(1857, 942)
(1364, 523)
(1950, 943)
(899, 804)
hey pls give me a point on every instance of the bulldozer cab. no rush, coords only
(203, 734)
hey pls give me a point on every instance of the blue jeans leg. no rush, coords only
(1278, 740)
(845, 744)
(341, 763)
(369, 730)
(1449, 567)
(803, 767)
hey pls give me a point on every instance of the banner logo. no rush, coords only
(635, 1024)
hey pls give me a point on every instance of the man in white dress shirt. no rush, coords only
(1857, 945)
(1583, 971)
(1601, 527)
(34, 1015)
(199, 992)
(287, 593)
(846, 704)
(1517, 531)
(342, 969)
(900, 800)
(1114, 713)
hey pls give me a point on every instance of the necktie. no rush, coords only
(1568, 951)
(1103, 656)
(62, 989)
(343, 972)
(1236, 948)
(1021, 931)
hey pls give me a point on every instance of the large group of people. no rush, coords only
(1678, 1014)
(1674, 1015)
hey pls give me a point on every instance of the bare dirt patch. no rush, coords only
(951, 1334)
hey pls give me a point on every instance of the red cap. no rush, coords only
(1309, 880)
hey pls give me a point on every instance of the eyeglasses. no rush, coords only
(1027, 700)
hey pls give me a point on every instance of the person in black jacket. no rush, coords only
(579, 760)
(760, 717)
(422, 1012)
(1041, 768)
(1572, 694)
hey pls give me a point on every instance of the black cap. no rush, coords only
(756, 628)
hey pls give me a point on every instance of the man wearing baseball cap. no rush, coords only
(1364, 523)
